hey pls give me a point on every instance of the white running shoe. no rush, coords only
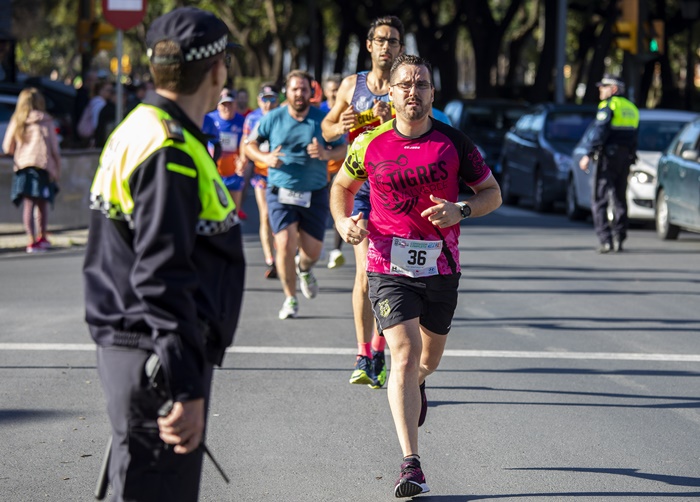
(336, 259)
(307, 281)
(290, 308)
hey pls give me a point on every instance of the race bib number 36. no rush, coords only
(414, 258)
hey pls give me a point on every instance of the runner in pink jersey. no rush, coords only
(413, 165)
(403, 172)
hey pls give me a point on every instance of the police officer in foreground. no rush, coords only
(613, 145)
(164, 265)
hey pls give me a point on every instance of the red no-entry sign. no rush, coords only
(124, 14)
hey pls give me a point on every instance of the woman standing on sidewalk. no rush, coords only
(31, 139)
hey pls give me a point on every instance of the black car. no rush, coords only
(536, 154)
(485, 121)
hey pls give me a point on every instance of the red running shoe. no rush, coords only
(43, 243)
(411, 482)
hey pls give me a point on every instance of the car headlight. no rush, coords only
(642, 177)
(562, 161)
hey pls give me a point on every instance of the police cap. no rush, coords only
(199, 33)
(610, 79)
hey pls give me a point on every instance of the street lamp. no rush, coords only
(690, 11)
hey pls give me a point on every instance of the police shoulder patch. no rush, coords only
(223, 200)
(174, 130)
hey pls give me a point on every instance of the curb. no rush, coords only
(60, 239)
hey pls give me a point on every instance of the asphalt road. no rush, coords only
(569, 376)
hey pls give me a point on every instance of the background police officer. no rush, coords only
(164, 265)
(614, 143)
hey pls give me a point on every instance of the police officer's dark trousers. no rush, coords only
(142, 467)
(610, 185)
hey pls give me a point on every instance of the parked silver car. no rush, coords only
(657, 128)
(678, 188)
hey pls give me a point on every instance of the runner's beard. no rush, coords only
(384, 64)
(413, 113)
(300, 107)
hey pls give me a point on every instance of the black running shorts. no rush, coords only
(396, 298)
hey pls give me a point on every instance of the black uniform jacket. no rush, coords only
(159, 284)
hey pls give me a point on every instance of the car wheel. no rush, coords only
(664, 228)
(539, 203)
(573, 210)
(507, 186)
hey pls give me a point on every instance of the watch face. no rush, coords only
(466, 210)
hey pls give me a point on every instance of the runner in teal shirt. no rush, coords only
(280, 128)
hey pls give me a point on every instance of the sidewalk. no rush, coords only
(13, 238)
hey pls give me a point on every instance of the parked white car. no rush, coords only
(657, 128)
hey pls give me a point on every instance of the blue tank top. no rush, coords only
(363, 98)
(363, 101)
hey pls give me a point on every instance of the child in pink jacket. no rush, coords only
(32, 141)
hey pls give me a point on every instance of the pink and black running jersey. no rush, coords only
(403, 173)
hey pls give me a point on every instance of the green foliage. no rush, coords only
(45, 34)
(500, 36)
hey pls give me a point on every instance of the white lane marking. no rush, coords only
(315, 351)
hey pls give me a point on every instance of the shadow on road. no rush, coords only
(28, 415)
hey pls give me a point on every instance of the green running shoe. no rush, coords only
(363, 371)
(378, 370)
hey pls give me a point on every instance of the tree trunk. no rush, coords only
(597, 68)
(544, 80)
(487, 37)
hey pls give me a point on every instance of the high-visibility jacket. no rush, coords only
(164, 265)
(615, 124)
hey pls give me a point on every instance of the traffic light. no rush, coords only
(101, 37)
(656, 37)
(126, 65)
(626, 36)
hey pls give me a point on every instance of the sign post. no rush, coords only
(123, 15)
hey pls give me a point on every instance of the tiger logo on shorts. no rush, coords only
(384, 308)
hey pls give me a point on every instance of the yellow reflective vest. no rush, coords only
(164, 267)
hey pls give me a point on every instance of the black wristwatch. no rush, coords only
(464, 209)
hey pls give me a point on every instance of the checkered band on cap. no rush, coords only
(207, 51)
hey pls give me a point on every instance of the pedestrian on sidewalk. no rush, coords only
(32, 141)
